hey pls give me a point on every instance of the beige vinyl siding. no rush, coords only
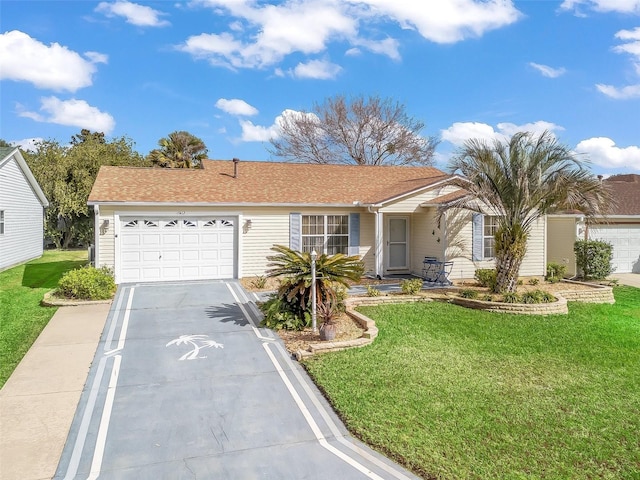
(460, 237)
(561, 236)
(23, 217)
(424, 239)
(412, 203)
(106, 240)
(270, 226)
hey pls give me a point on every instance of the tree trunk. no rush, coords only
(511, 245)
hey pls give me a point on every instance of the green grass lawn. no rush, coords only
(22, 316)
(454, 393)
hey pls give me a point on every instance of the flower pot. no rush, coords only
(328, 331)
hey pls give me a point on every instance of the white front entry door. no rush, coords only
(161, 249)
(397, 243)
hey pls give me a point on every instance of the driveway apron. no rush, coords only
(185, 385)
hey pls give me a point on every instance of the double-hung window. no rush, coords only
(489, 236)
(325, 234)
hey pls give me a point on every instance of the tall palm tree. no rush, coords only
(519, 181)
(179, 150)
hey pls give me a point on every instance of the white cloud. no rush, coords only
(620, 93)
(460, 132)
(139, 15)
(74, 113)
(236, 106)
(27, 143)
(353, 52)
(632, 47)
(620, 6)
(54, 66)
(603, 151)
(265, 34)
(318, 69)
(257, 133)
(446, 21)
(548, 71)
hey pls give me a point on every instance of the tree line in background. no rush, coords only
(518, 180)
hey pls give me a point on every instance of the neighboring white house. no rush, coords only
(621, 228)
(157, 224)
(22, 204)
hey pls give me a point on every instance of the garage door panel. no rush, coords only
(625, 240)
(153, 249)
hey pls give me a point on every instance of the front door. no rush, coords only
(397, 243)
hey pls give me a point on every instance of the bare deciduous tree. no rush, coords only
(360, 130)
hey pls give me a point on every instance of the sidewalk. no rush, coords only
(38, 402)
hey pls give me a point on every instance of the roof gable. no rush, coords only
(8, 153)
(268, 183)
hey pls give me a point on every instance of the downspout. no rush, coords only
(445, 240)
(96, 235)
(378, 252)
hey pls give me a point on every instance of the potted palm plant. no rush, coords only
(328, 311)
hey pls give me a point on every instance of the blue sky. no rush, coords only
(226, 70)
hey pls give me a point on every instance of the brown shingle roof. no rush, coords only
(626, 193)
(261, 182)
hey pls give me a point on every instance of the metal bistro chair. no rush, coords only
(443, 273)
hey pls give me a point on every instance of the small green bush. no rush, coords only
(486, 277)
(411, 286)
(547, 297)
(469, 293)
(373, 291)
(555, 272)
(511, 297)
(259, 282)
(87, 283)
(534, 281)
(536, 296)
(593, 258)
(488, 298)
(278, 314)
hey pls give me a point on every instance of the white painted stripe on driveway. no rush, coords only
(312, 423)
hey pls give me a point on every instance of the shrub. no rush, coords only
(469, 293)
(534, 281)
(486, 277)
(537, 296)
(87, 283)
(411, 286)
(555, 272)
(510, 297)
(259, 282)
(547, 297)
(593, 258)
(373, 291)
(278, 314)
(488, 298)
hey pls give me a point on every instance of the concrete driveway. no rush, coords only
(184, 385)
(631, 279)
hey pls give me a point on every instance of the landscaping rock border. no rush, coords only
(558, 307)
(599, 294)
(50, 300)
(370, 330)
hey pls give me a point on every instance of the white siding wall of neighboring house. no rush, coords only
(23, 217)
(561, 236)
(106, 240)
(459, 247)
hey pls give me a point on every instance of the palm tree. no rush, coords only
(520, 181)
(179, 150)
(295, 267)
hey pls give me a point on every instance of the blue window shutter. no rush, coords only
(295, 231)
(354, 233)
(478, 240)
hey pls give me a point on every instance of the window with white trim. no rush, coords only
(325, 234)
(1, 222)
(489, 236)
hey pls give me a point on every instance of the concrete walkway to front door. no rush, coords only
(185, 385)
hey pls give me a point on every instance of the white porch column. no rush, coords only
(379, 246)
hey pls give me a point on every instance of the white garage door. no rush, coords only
(161, 249)
(626, 245)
